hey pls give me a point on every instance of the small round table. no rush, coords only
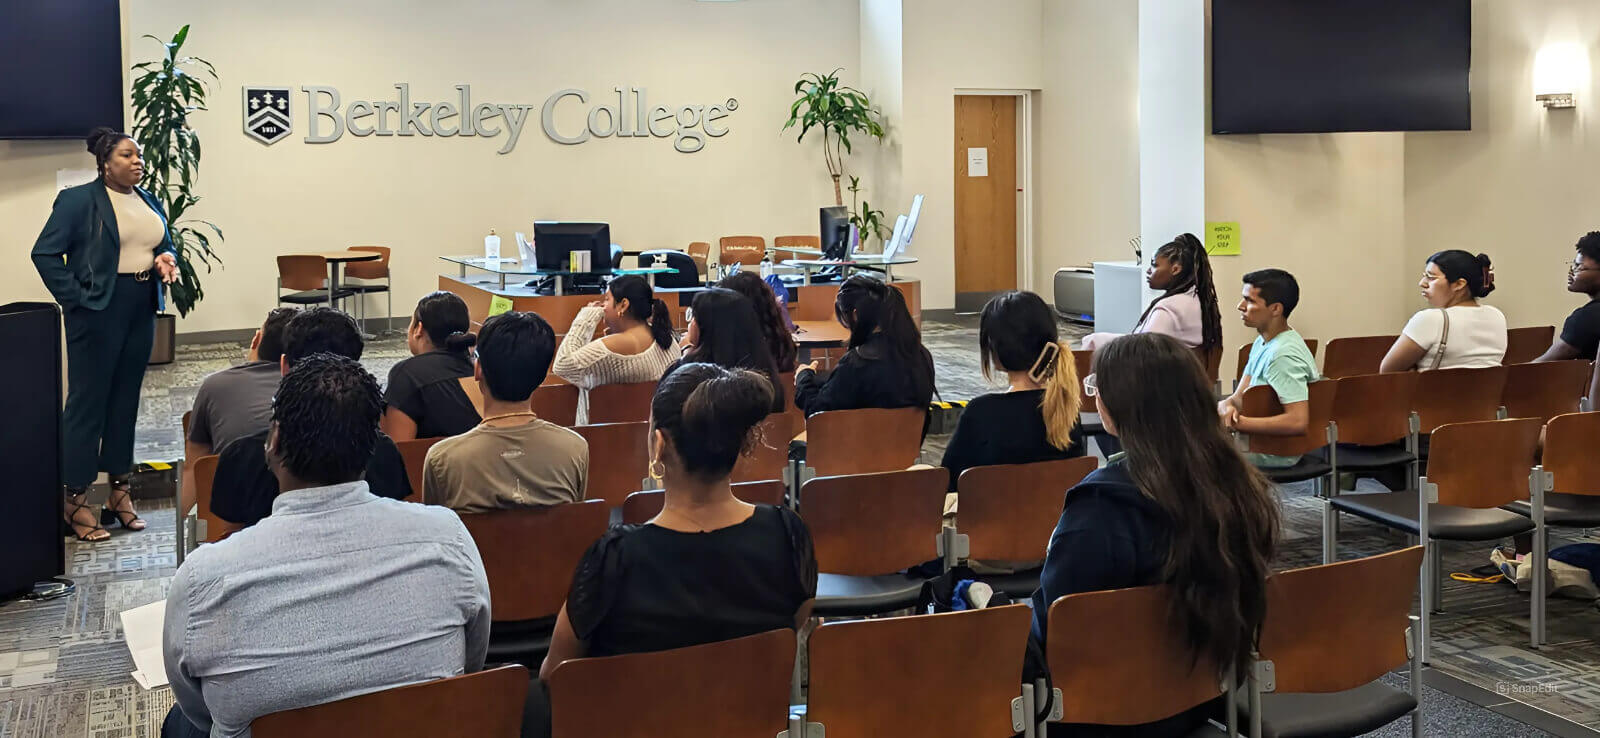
(337, 258)
(819, 334)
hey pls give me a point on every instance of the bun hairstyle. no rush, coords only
(709, 413)
(1190, 253)
(866, 306)
(1018, 333)
(643, 306)
(444, 319)
(102, 141)
(1477, 270)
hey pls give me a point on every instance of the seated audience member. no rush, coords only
(638, 345)
(772, 317)
(724, 331)
(886, 365)
(1036, 418)
(320, 601)
(513, 458)
(244, 487)
(424, 394)
(1152, 515)
(709, 567)
(237, 401)
(1279, 358)
(1187, 308)
(1580, 335)
(1455, 332)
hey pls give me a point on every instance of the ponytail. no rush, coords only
(866, 306)
(1062, 393)
(459, 341)
(643, 306)
(660, 323)
(1017, 332)
(444, 319)
(1196, 274)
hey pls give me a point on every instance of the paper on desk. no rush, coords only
(141, 629)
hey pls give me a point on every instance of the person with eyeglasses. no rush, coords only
(1580, 335)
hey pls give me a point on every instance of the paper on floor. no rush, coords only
(141, 629)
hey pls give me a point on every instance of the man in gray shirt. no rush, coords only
(237, 402)
(337, 593)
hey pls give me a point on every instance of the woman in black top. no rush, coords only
(886, 365)
(1036, 418)
(424, 394)
(1182, 508)
(724, 331)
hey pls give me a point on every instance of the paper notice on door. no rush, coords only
(978, 162)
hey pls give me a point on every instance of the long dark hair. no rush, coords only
(643, 306)
(1190, 254)
(1477, 270)
(710, 414)
(773, 327)
(866, 306)
(444, 319)
(1224, 520)
(101, 142)
(1017, 332)
(730, 336)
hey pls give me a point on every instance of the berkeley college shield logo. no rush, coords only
(266, 113)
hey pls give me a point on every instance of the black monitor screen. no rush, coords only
(1312, 66)
(553, 240)
(60, 68)
(834, 223)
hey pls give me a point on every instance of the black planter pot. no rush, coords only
(164, 349)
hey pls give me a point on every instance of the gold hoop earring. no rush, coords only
(654, 473)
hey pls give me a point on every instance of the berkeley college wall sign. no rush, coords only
(625, 113)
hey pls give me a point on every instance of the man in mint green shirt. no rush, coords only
(1278, 358)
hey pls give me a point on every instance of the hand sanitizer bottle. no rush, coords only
(491, 246)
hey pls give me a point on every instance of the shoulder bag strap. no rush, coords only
(1444, 338)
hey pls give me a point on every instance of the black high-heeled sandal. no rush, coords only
(125, 489)
(70, 524)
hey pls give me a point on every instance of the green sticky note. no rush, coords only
(1222, 239)
(498, 305)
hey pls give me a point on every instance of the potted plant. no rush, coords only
(868, 222)
(165, 92)
(837, 110)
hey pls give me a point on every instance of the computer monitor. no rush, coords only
(834, 224)
(553, 240)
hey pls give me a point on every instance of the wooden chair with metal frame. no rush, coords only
(640, 507)
(619, 459)
(867, 529)
(1567, 485)
(1375, 431)
(1211, 360)
(738, 687)
(1330, 634)
(1244, 358)
(484, 704)
(1546, 389)
(307, 274)
(1455, 396)
(557, 403)
(700, 251)
(529, 556)
(949, 675)
(370, 272)
(208, 527)
(1475, 469)
(1526, 344)
(1007, 512)
(768, 453)
(747, 250)
(1261, 401)
(620, 403)
(863, 440)
(794, 242)
(415, 454)
(1353, 355)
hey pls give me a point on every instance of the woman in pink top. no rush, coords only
(1187, 309)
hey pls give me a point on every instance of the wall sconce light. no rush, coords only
(1559, 71)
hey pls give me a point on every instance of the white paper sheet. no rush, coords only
(978, 162)
(141, 629)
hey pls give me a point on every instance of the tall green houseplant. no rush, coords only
(165, 92)
(839, 111)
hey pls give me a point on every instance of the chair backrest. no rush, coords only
(741, 250)
(1261, 401)
(620, 403)
(469, 386)
(414, 452)
(970, 662)
(870, 524)
(864, 440)
(1458, 395)
(487, 704)
(1569, 453)
(1142, 675)
(1244, 356)
(769, 452)
(369, 269)
(1339, 626)
(1374, 409)
(302, 272)
(1083, 361)
(686, 272)
(619, 459)
(1546, 389)
(1526, 344)
(529, 555)
(1483, 464)
(700, 251)
(1210, 359)
(794, 242)
(796, 416)
(728, 688)
(1008, 511)
(1347, 357)
(640, 507)
(205, 471)
(557, 403)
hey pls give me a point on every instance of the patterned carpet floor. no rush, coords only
(64, 670)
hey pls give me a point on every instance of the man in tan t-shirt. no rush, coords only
(513, 459)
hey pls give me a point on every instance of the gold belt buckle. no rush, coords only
(143, 276)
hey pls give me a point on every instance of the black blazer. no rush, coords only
(83, 228)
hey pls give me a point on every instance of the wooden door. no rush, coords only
(986, 201)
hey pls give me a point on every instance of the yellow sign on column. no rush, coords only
(1223, 239)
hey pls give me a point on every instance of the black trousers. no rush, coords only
(177, 725)
(107, 351)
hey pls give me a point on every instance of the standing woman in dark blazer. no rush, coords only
(104, 254)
